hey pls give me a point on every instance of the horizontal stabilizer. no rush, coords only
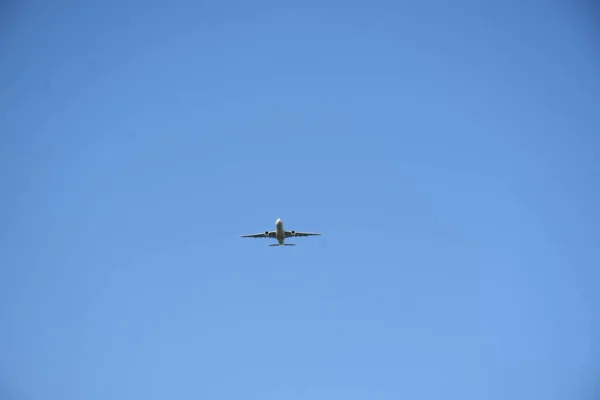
(285, 244)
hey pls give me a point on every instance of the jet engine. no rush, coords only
(293, 233)
(266, 233)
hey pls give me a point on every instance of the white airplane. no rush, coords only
(280, 234)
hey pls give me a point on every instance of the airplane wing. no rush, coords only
(301, 234)
(260, 235)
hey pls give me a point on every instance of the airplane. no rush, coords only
(280, 234)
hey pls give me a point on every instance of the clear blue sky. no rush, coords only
(449, 154)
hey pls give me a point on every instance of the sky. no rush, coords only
(447, 152)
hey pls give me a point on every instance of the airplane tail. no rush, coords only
(285, 244)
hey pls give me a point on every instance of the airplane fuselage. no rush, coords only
(279, 231)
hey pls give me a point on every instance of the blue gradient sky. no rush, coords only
(447, 152)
